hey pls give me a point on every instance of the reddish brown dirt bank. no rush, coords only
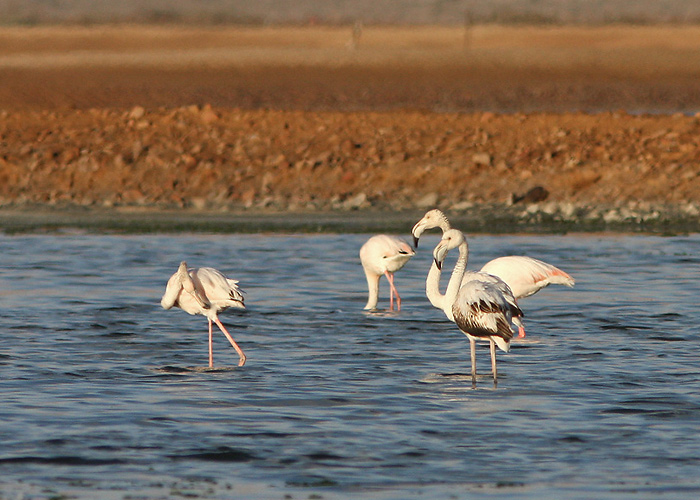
(214, 158)
(114, 125)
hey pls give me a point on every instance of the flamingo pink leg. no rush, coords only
(242, 359)
(211, 349)
(394, 291)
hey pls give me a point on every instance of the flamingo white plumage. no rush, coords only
(481, 308)
(524, 275)
(384, 255)
(207, 292)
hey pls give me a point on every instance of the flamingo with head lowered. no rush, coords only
(207, 292)
(524, 275)
(481, 308)
(384, 255)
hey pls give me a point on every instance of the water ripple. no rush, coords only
(111, 396)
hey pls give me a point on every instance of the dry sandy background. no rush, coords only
(312, 118)
(337, 12)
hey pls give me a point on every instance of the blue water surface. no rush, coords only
(106, 395)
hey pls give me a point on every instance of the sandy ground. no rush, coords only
(487, 68)
(314, 119)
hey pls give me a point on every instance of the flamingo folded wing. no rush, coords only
(482, 311)
(526, 275)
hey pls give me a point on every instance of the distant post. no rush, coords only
(356, 35)
(467, 38)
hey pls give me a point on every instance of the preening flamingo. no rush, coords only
(384, 255)
(478, 306)
(207, 292)
(524, 275)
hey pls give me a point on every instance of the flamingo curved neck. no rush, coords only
(432, 283)
(432, 288)
(170, 297)
(444, 224)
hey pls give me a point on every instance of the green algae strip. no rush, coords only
(482, 219)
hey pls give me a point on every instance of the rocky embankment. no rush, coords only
(567, 169)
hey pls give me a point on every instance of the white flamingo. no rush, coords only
(384, 255)
(479, 307)
(204, 291)
(524, 275)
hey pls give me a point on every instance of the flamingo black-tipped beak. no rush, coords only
(415, 242)
(438, 264)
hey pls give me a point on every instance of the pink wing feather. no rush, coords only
(525, 275)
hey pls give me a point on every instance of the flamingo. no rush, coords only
(524, 275)
(384, 255)
(479, 306)
(207, 292)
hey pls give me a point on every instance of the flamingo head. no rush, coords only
(432, 218)
(452, 238)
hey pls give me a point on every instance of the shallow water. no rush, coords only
(104, 394)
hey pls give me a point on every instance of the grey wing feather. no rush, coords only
(482, 311)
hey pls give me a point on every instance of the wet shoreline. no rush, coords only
(484, 219)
